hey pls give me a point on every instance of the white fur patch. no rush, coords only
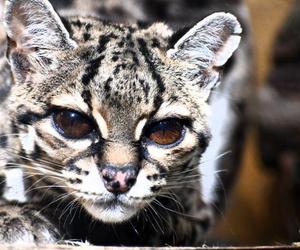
(176, 109)
(71, 101)
(139, 129)
(14, 188)
(142, 186)
(101, 124)
(27, 140)
(111, 214)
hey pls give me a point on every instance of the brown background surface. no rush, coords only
(252, 216)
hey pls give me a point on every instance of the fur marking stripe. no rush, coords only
(94, 64)
(87, 98)
(92, 70)
(145, 52)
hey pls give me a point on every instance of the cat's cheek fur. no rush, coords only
(90, 185)
(149, 177)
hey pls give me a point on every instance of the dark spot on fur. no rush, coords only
(86, 55)
(104, 40)
(79, 181)
(3, 214)
(87, 98)
(147, 55)
(28, 117)
(77, 23)
(146, 88)
(92, 70)
(121, 44)
(128, 36)
(153, 177)
(14, 222)
(46, 60)
(115, 58)
(88, 27)
(3, 141)
(155, 189)
(74, 168)
(203, 140)
(173, 98)
(155, 42)
(163, 172)
(75, 181)
(86, 36)
(157, 102)
(107, 84)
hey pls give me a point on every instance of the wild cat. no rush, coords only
(108, 123)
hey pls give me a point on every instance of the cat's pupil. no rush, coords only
(72, 124)
(165, 132)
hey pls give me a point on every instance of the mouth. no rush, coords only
(115, 210)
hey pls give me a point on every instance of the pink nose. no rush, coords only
(119, 179)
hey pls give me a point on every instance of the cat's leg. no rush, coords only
(25, 224)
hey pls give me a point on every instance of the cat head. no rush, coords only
(113, 114)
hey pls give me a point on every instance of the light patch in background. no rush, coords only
(221, 123)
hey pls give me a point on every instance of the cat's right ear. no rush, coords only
(35, 32)
(207, 47)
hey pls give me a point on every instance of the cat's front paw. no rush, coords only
(22, 224)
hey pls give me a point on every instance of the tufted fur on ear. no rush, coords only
(208, 46)
(35, 32)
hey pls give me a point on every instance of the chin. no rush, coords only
(110, 212)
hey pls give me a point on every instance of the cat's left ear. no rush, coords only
(35, 33)
(34, 24)
(208, 46)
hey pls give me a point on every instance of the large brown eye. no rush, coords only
(72, 124)
(165, 132)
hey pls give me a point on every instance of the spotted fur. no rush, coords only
(124, 77)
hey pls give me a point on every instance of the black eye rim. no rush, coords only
(149, 128)
(79, 113)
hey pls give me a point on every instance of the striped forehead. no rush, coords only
(122, 70)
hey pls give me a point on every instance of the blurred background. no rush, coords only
(264, 204)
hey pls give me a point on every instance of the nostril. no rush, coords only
(107, 178)
(115, 185)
